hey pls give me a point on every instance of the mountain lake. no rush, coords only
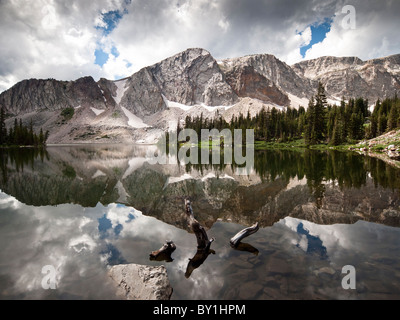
(85, 208)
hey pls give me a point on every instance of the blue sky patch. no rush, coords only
(101, 57)
(318, 34)
(104, 225)
(111, 20)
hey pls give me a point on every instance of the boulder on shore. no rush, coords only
(139, 282)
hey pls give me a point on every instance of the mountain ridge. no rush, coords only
(154, 99)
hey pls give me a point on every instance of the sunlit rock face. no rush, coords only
(141, 107)
(351, 77)
(193, 77)
(246, 82)
(280, 75)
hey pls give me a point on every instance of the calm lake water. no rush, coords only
(83, 209)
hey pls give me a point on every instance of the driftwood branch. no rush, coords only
(164, 253)
(203, 243)
(235, 240)
(201, 235)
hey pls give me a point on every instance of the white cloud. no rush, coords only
(57, 39)
(48, 39)
(370, 38)
(306, 36)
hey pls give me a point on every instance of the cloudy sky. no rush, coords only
(67, 39)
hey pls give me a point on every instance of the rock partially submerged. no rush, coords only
(139, 282)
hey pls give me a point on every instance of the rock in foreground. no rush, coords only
(138, 282)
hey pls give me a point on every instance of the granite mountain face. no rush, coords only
(154, 99)
(351, 77)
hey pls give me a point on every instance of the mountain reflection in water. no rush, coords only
(83, 208)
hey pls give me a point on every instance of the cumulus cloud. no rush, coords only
(375, 34)
(49, 39)
(58, 39)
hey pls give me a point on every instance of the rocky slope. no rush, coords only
(385, 147)
(280, 75)
(246, 82)
(352, 77)
(139, 282)
(141, 107)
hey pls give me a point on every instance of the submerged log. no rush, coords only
(164, 253)
(243, 234)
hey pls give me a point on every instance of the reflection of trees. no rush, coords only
(383, 174)
(347, 169)
(19, 158)
(315, 165)
(58, 181)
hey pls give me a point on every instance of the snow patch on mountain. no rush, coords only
(134, 121)
(97, 111)
(121, 88)
(173, 104)
(98, 173)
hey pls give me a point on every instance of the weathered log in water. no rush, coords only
(235, 240)
(164, 253)
(203, 243)
(201, 235)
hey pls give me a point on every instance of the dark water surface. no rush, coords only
(83, 209)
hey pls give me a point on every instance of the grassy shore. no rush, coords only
(374, 147)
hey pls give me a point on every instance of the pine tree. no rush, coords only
(382, 123)
(3, 129)
(41, 137)
(332, 115)
(30, 139)
(374, 126)
(337, 133)
(319, 126)
(309, 120)
(393, 117)
(16, 132)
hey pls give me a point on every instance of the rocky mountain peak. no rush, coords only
(314, 68)
(34, 95)
(190, 77)
(352, 77)
(278, 72)
(193, 77)
(190, 83)
(246, 82)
